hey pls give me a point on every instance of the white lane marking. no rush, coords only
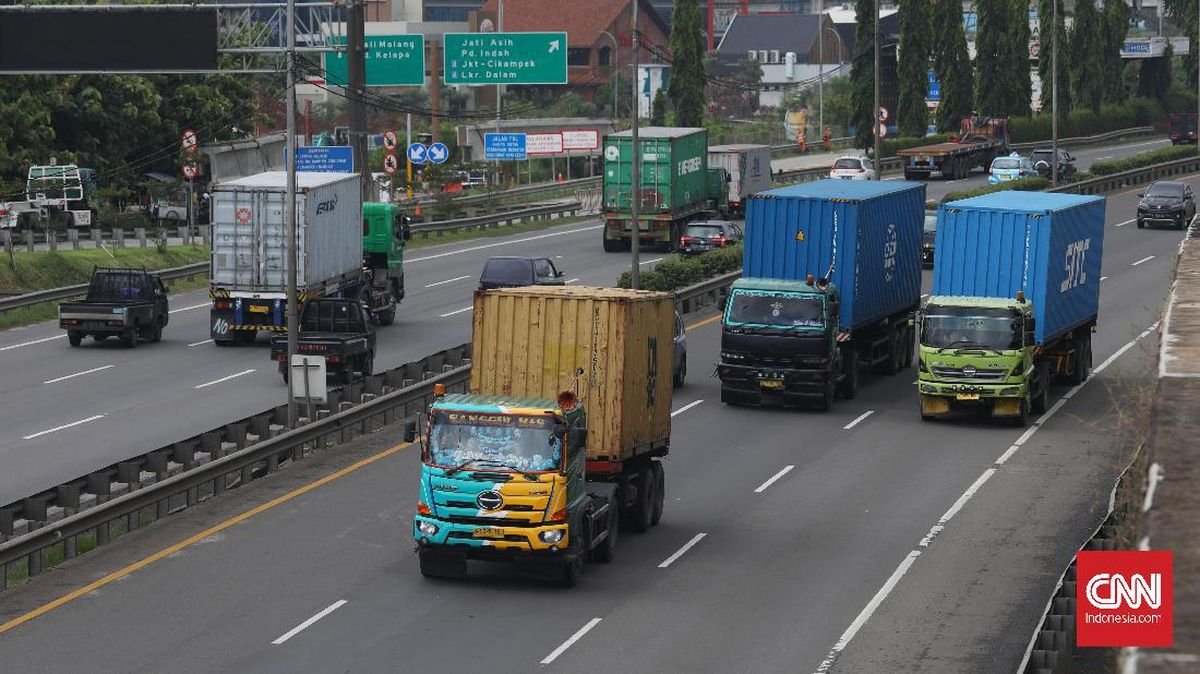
(569, 642)
(652, 261)
(201, 342)
(194, 306)
(854, 423)
(77, 374)
(59, 428)
(572, 280)
(308, 623)
(771, 480)
(218, 381)
(894, 579)
(442, 283)
(1107, 156)
(680, 552)
(36, 341)
(1145, 259)
(686, 407)
(502, 243)
(1156, 476)
(1102, 278)
(867, 611)
(1122, 224)
(456, 311)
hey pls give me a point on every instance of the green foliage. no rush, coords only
(658, 109)
(688, 76)
(1183, 14)
(913, 67)
(1034, 184)
(862, 75)
(680, 272)
(1132, 113)
(1142, 159)
(533, 102)
(1001, 58)
(951, 64)
(1046, 56)
(1154, 76)
(1019, 57)
(1087, 56)
(1115, 23)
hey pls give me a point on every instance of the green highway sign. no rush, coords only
(392, 60)
(505, 58)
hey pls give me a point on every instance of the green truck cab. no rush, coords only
(386, 232)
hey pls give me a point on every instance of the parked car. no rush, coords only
(121, 302)
(703, 236)
(1043, 157)
(679, 352)
(928, 238)
(853, 168)
(512, 272)
(1166, 202)
(1012, 167)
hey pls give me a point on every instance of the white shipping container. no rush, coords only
(249, 233)
(749, 168)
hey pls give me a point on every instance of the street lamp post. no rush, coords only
(1054, 96)
(615, 69)
(635, 232)
(875, 113)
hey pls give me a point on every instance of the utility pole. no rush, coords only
(635, 191)
(356, 72)
(1054, 98)
(875, 112)
(821, 67)
(435, 91)
(408, 144)
(1197, 77)
(289, 205)
(499, 92)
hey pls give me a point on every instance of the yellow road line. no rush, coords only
(710, 319)
(142, 563)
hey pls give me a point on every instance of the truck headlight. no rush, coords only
(427, 528)
(552, 535)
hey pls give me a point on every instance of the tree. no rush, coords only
(862, 74)
(1046, 56)
(1116, 24)
(951, 64)
(913, 67)
(658, 109)
(1019, 58)
(688, 77)
(1000, 58)
(1154, 79)
(1183, 13)
(1087, 57)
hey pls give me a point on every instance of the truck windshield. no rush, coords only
(967, 327)
(778, 309)
(496, 441)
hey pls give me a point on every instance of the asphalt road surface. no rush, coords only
(860, 540)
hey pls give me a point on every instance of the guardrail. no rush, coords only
(68, 292)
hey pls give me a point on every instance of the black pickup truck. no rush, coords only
(338, 329)
(126, 303)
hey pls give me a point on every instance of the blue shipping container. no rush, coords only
(867, 232)
(1049, 245)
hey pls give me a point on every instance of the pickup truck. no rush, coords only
(338, 329)
(121, 302)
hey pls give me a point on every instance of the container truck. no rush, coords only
(675, 185)
(64, 192)
(1016, 294)
(386, 232)
(831, 279)
(981, 140)
(248, 280)
(517, 470)
(749, 169)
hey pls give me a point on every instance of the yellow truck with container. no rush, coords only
(557, 445)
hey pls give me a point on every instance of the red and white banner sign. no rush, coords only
(580, 139)
(1125, 598)
(543, 143)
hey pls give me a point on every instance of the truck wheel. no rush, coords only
(826, 403)
(891, 364)
(611, 245)
(677, 380)
(1041, 402)
(1084, 366)
(74, 337)
(245, 336)
(347, 375)
(129, 338)
(438, 566)
(910, 347)
(368, 367)
(571, 569)
(1022, 419)
(728, 397)
(640, 516)
(607, 550)
(283, 372)
(848, 386)
(660, 491)
(156, 333)
(387, 317)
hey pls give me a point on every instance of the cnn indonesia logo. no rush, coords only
(1124, 598)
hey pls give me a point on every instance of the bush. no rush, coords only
(1111, 166)
(1084, 122)
(680, 272)
(1034, 184)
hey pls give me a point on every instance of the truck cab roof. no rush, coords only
(778, 285)
(982, 302)
(497, 404)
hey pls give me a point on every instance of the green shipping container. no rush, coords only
(674, 180)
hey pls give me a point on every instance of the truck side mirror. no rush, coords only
(406, 232)
(410, 431)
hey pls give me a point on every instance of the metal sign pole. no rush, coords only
(289, 205)
(635, 192)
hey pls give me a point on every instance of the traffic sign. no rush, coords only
(504, 146)
(418, 153)
(505, 58)
(581, 139)
(544, 143)
(392, 60)
(190, 170)
(324, 158)
(935, 88)
(190, 141)
(390, 163)
(389, 140)
(438, 153)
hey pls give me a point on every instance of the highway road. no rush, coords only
(861, 540)
(65, 412)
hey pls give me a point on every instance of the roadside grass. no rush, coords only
(18, 572)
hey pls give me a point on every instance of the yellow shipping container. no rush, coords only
(531, 342)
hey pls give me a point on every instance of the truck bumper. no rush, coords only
(246, 316)
(751, 385)
(939, 398)
(492, 543)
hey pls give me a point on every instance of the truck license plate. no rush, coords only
(771, 384)
(259, 309)
(489, 532)
(967, 396)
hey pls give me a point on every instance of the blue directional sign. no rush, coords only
(418, 153)
(504, 146)
(326, 159)
(438, 153)
(935, 88)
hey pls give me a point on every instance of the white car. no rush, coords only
(853, 168)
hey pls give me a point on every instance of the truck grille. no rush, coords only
(986, 374)
(515, 507)
(492, 521)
